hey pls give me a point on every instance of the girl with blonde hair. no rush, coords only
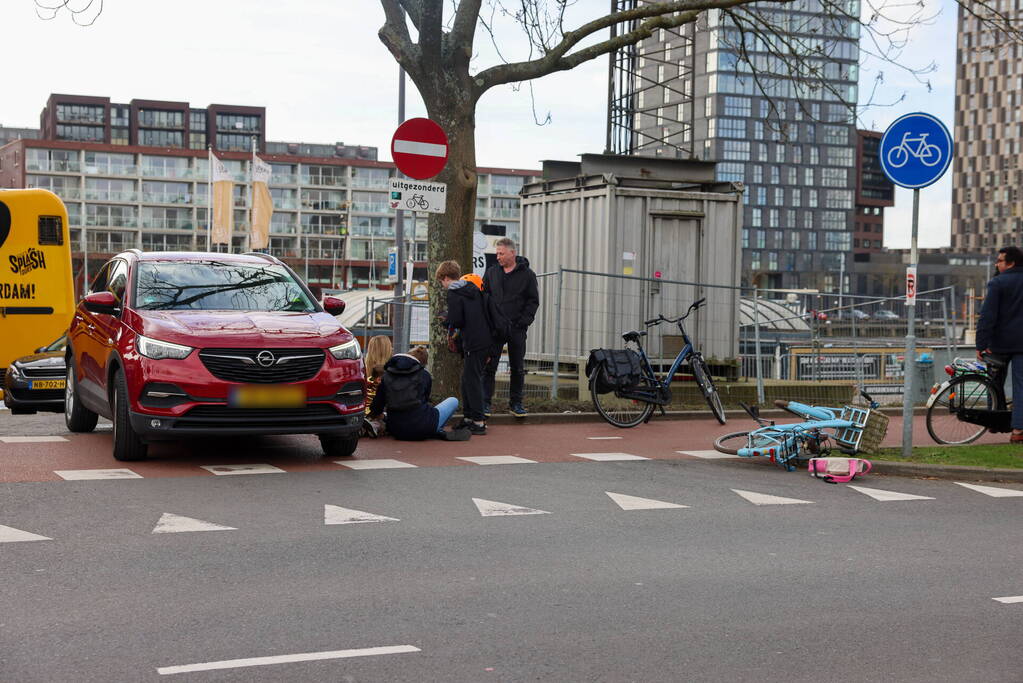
(378, 351)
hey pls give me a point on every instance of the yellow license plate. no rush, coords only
(272, 396)
(47, 384)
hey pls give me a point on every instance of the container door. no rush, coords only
(672, 255)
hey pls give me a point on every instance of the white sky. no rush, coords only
(324, 76)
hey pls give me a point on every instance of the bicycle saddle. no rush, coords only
(633, 336)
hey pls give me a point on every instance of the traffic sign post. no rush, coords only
(419, 148)
(915, 152)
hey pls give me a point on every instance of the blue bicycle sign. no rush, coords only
(916, 150)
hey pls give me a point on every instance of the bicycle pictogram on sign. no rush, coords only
(929, 155)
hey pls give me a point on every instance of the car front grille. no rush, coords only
(263, 366)
(37, 394)
(44, 373)
(226, 416)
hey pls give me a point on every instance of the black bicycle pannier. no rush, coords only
(616, 369)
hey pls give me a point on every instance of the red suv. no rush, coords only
(169, 345)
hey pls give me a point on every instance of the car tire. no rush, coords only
(77, 417)
(127, 444)
(338, 446)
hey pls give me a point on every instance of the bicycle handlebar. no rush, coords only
(661, 319)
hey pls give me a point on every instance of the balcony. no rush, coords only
(168, 224)
(111, 221)
(371, 207)
(482, 189)
(110, 169)
(320, 181)
(67, 193)
(282, 203)
(167, 172)
(166, 198)
(506, 213)
(54, 165)
(327, 230)
(371, 183)
(482, 212)
(283, 179)
(96, 195)
(284, 252)
(324, 205)
(278, 229)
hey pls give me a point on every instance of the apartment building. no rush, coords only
(874, 192)
(136, 175)
(688, 95)
(987, 207)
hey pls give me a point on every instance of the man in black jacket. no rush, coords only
(514, 297)
(1000, 329)
(465, 312)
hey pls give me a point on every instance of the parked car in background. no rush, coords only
(885, 314)
(850, 314)
(173, 345)
(36, 382)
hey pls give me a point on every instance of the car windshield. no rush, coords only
(218, 286)
(58, 345)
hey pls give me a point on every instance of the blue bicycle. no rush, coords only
(850, 429)
(634, 405)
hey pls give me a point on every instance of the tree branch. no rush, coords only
(660, 15)
(430, 29)
(464, 29)
(395, 36)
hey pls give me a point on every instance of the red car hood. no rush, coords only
(241, 328)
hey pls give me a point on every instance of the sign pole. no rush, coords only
(909, 358)
(399, 341)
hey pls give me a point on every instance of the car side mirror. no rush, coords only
(101, 302)
(333, 305)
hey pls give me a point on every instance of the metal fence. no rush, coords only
(761, 344)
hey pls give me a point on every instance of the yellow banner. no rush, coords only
(223, 212)
(262, 210)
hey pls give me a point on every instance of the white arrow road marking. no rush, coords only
(82, 475)
(491, 508)
(1009, 600)
(886, 496)
(707, 455)
(427, 149)
(173, 524)
(243, 469)
(635, 503)
(993, 491)
(494, 459)
(764, 499)
(9, 534)
(604, 438)
(32, 439)
(334, 514)
(378, 464)
(286, 659)
(606, 457)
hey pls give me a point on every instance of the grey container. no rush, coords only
(646, 236)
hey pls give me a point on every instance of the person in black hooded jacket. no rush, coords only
(465, 312)
(404, 392)
(514, 296)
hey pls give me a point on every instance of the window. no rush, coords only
(730, 171)
(836, 241)
(779, 196)
(238, 122)
(80, 113)
(812, 198)
(732, 128)
(324, 224)
(833, 220)
(738, 106)
(161, 138)
(756, 217)
(838, 199)
(797, 197)
(836, 135)
(80, 133)
(839, 156)
(815, 156)
(834, 177)
(157, 118)
(758, 174)
(811, 241)
(735, 150)
(761, 195)
(234, 143)
(324, 175)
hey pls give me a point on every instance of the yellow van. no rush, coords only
(37, 297)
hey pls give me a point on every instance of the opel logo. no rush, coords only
(265, 359)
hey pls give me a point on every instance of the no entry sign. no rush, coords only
(419, 148)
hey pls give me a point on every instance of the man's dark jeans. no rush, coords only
(472, 385)
(1017, 391)
(517, 363)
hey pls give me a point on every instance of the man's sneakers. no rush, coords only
(477, 429)
(518, 410)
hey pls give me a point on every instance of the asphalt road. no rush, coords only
(842, 587)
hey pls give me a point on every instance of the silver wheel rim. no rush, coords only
(69, 391)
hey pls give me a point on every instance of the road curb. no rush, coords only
(502, 418)
(959, 472)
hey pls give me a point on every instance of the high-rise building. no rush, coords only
(137, 175)
(684, 92)
(874, 192)
(987, 205)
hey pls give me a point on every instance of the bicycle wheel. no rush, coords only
(618, 411)
(710, 393)
(731, 443)
(966, 391)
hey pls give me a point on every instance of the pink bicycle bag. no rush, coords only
(837, 470)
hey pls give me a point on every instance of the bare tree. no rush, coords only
(434, 41)
(83, 12)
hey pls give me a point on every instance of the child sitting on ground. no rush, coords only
(378, 350)
(404, 392)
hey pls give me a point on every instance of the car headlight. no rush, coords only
(159, 350)
(350, 350)
(15, 372)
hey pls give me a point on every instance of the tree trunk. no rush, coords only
(450, 234)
